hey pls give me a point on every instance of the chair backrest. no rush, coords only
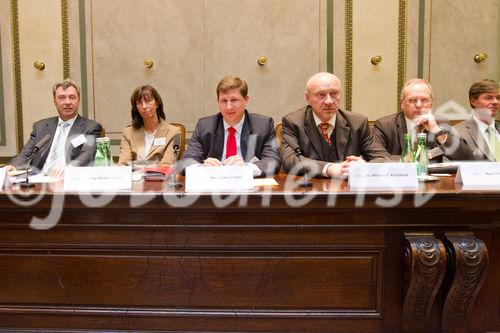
(182, 144)
(278, 133)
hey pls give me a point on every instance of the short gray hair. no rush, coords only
(65, 85)
(415, 81)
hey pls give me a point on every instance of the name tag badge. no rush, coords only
(78, 141)
(159, 141)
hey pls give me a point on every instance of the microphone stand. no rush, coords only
(26, 184)
(305, 181)
(173, 183)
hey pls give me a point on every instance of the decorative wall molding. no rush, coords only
(402, 27)
(65, 38)
(17, 73)
(348, 54)
(3, 139)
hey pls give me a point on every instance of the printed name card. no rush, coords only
(201, 178)
(383, 176)
(98, 179)
(479, 175)
(4, 178)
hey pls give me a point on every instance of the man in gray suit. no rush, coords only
(71, 138)
(416, 116)
(477, 138)
(233, 136)
(322, 139)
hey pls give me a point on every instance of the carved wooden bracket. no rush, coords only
(425, 265)
(468, 263)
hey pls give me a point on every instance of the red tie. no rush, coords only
(231, 142)
(324, 130)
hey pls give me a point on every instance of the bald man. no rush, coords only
(329, 139)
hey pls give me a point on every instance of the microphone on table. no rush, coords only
(43, 141)
(173, 180)
(305, 181)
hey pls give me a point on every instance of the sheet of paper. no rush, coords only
(265, 182)
(35, 179)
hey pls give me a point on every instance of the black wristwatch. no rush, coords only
(441, 132)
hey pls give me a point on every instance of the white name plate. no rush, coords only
(383, 176)
(4, 178)
(479, 175)
(201, 178)
(98, 179)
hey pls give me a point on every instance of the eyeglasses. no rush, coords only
(423, 101)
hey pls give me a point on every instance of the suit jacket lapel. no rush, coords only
(138, 143)
(479, 139)
(313, 133)
(217, 144)
(51, 126)
(342, 132)
(161, 132)
(246, 131)
(74, 131)
(401, 128)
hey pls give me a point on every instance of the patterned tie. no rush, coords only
(231, 142)
(57, 154)
(494, 143)
(324, 130)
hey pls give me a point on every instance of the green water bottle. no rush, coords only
(407, 155)
(107, 148)
(100, 153)
(422, 155)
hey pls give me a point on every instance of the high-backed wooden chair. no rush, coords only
(182, 144)
(278, 133)
(278, 138)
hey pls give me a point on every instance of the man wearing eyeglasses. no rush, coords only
(416, 117)
(71, 138)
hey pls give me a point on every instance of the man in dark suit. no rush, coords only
(72, 137)
(328, 138)
(477, 138)
(234, 136)
(416, 102)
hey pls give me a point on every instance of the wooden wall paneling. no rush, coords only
(374, 32)
(8, 136)
(40, 39)
(460, 30)
(167, 32)
(287, 32)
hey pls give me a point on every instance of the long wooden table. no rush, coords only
(278, 259)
